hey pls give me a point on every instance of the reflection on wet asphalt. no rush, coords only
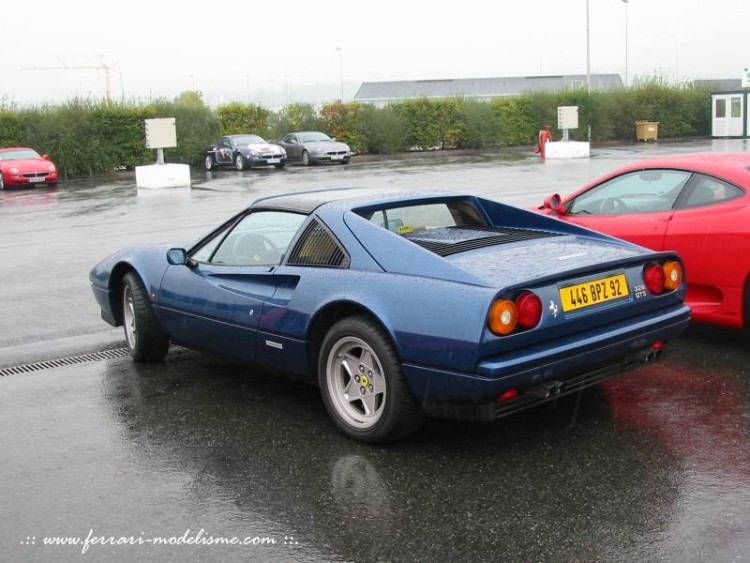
(652, 466)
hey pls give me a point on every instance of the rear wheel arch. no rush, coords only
(329, 316)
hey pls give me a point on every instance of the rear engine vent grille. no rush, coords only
(484, 238)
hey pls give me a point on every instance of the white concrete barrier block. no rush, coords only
(158, 176)
(571, 149)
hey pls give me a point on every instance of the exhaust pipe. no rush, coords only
(546, 390)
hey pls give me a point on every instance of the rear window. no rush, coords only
(424, 217)
(447, 228)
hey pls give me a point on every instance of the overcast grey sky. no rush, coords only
(286, 51)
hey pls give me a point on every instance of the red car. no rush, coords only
(22, 166)
(696, 204)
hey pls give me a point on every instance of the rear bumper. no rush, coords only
(542, 373)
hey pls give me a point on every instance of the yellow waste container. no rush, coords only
(646, 130)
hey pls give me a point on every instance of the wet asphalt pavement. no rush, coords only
(652, 466)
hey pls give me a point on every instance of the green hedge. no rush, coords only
(92, 137)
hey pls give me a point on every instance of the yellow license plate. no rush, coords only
(593, 292)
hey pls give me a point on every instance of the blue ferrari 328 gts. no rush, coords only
(401, 306)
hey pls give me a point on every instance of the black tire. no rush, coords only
(145, 338)
(208, 162)
(2, 182)
(280, 165)
(345, 162)
(239, 162)
(382, 390)
(305, 158)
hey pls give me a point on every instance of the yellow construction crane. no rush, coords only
(107, 68)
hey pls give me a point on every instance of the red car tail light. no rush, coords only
(653, 277)
(529, 308)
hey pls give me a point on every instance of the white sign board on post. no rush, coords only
(567, 117)
(746, 78)
(161, 133)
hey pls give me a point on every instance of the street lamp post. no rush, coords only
(588, 62)
(341, 71)
(626, 42)
(588, 50)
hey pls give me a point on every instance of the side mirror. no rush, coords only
(45, 156)
(177, 256)
(554, 204)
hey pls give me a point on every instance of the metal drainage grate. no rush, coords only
(73, 360)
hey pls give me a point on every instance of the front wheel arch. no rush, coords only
(115, 289)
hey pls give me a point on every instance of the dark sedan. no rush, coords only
(243, 151)
(312, 147)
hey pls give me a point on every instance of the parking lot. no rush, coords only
(654, 465)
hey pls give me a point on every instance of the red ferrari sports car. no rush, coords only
(696, 204)
(22, 166)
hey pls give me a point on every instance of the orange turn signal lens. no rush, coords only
(673, 275)
(503, 317)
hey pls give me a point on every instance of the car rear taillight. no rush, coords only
(663, 277)
(506, 315)
(529, 309)
(503, 317)
(672, 275)
(653, 277)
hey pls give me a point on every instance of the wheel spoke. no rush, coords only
(367, 359)
(351, 388)
(370, 402)
(378, 383)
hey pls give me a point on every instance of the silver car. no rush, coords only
(311, 147)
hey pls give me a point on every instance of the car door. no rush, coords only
(216, 300)
(708, 231)
(292, 146)
(224, 151)
(636, 206)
